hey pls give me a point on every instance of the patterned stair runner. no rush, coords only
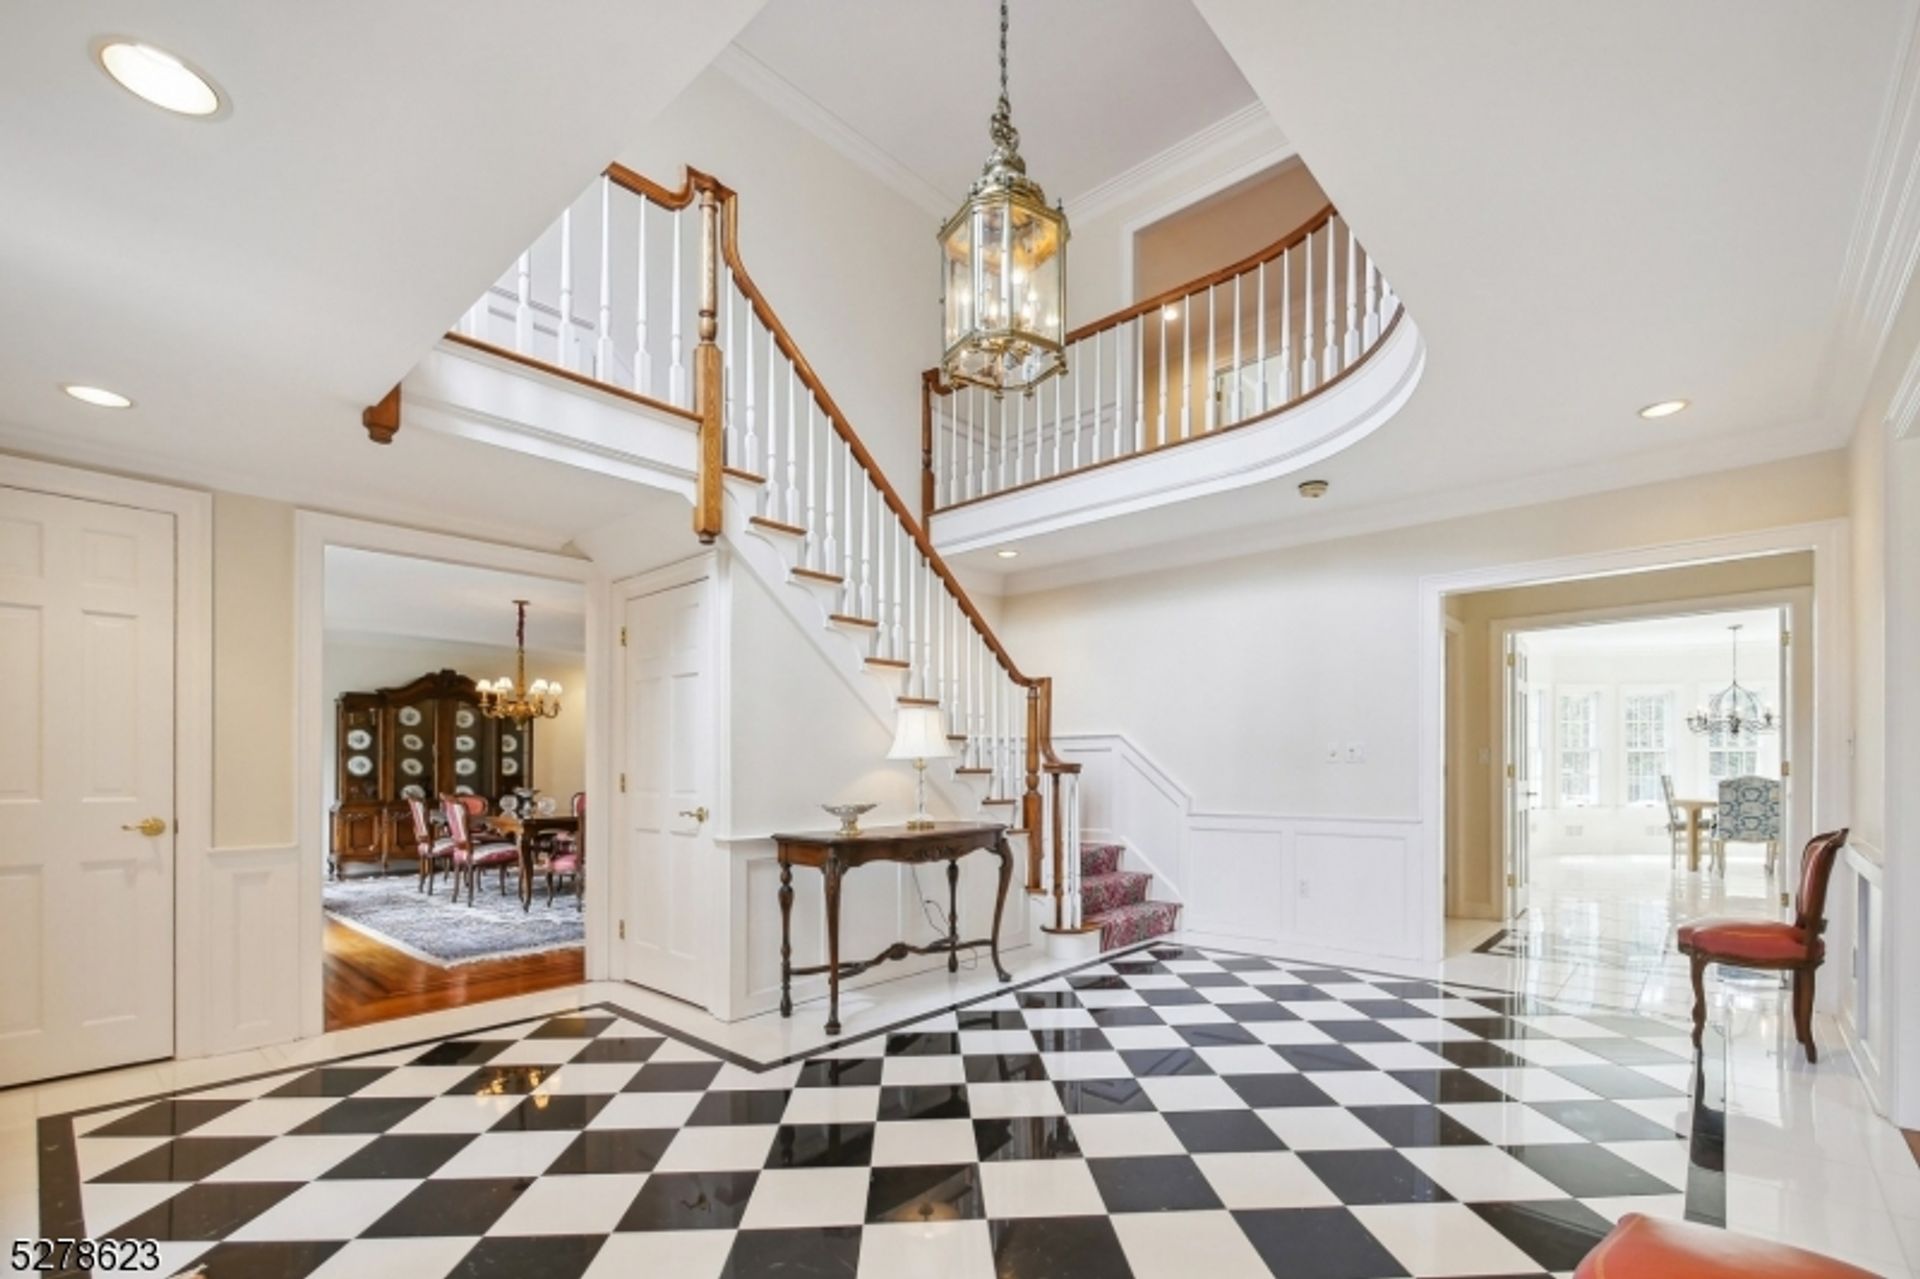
(1117, 901)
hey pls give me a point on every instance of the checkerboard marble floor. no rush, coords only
(1169, 1111)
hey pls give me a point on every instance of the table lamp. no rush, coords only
(920, 734)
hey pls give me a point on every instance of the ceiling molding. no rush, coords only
(1191, 151)
(1883, 248)
(785, 97)
(1697, 458)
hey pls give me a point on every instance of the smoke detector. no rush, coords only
(1313, 488)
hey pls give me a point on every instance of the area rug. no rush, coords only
(391, 909)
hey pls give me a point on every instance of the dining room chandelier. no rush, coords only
(1735, 710)
(510, 696)
(1004, 269)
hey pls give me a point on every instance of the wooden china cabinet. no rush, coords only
(423, 739)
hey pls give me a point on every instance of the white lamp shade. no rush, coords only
(920, 732)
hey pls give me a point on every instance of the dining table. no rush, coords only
(1695, 809)
(525, 833)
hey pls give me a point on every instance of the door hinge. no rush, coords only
(1511, 881)
(1785, 901)
(623, 783)
(1786, 639)
(623, 930)
(1509, 659)
(623, 637)
(1786, 769)
(1510, 774)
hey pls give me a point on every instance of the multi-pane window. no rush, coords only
(1644, 744)
(1730, 756)
(1579, 749)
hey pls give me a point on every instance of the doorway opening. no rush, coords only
(1602, 789)
(453, 781)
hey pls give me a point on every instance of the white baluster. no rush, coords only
(850, 585)
(1260, 338)
(1211, 416)
(897, 582)
(1097, 379)
(677, 373)
(1059, 424)
(773, 433)
(882, 586)
(523, 305)
(750, 443)
(810, 548)
(603, 332)
(1019, 438)
(642, 360)
(1119, 378)
(1000, 402)
(1286, 327)
(1077, 416)
(1139, 382)
(830, 537)
(793, 514)
(1330, 360)
(1236, 347)
(1160, 436)
(1307, 367)
(563, 326)
(1186, 370)
(867, 603)
(1352, 351)
(1370, 325)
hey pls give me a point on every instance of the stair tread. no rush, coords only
(889, 661)
(739, 474)
(1131, 909)
(817, 575)
(848, 619)
(778, 526)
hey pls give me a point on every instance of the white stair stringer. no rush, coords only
(771, 555)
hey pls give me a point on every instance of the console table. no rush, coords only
(834, 854)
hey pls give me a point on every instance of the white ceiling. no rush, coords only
(371, 593)
(1097, 85)
(255, 281)
(1760, 629)
(1586, 208)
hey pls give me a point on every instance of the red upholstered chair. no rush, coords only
(569, 852)
(1641, 1247)
(1771, 944)
(431, 850)
(471, 857)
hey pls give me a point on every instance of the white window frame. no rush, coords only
(1765, 748)
(1670, 726)
(1597, 749)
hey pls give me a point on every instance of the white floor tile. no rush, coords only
(1264, 1179)
(930, 1250)
(1443, 1239)
(1179, 1245)
(1039, 1188)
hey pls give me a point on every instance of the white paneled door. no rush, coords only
(666, 897)
(86, 785)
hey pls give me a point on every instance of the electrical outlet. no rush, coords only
(1306, 888)
(1333, 754)
(1356, 752)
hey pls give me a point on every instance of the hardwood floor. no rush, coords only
(365, 981)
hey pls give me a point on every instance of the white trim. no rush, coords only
(192, 512)
(1187, 197)
(313, 533)
(1832, 708)
(1203, 144)
(793, 102)
(1903, 411)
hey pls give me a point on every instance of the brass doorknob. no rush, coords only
(698, 814)
(148, 826)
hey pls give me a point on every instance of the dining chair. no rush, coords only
(1749, 813)
(1677, 822)
(1770, 944)
(430, 848)
(568, 853)
(471, 857)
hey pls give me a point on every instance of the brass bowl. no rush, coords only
(849, 815)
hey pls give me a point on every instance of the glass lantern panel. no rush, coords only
(959, 282)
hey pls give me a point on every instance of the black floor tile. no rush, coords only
(360, 1115)
(330, 1081)
(924, 1101)
(923, 1043)
(1106, 982)
(1407, 1126)
(1152, 1183)
(821, 1146)
(1373, 1177)
(829, 1253)
(1111, 1017)
(1171, 998)
(1217, 1034)
(1047, 999)
(1476, 1054)
(1386, 1009)
(622, 1048)
(1082, 1039)
(990, 1019)
(1587, 1171)
(855, 1072)
(1004, 1068)
(1317, 1243)
(925, 1192)
(1557, 1233)
(166, 1118)
(544, 1113)
(1146, 1063)
(1201, 981)
(210, 1210)
(504, 1081)
(740, 1106)
(1616, 1083)
(1630, 1052)
(1603, 1121)
(462, 1052)
(1216, 1131)
(1325, 976)
(581, 1026)
(1247, 964)
(182, 1159)
(399, 1155)
(1264, 1091)
(1101, 1096)
(1058, 1248)
(674, 1076)
(690, 1201)
(1361, 1032)
(1448, 1085)
(614, 1150)
(1309, 1057)
(456, 1206)
(265, 1260)
(529, 1257)
(1297, 993)
(1032, 1138)
(1259, 1012)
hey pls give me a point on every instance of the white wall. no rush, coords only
(362, 663)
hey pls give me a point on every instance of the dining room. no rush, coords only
(453, 785)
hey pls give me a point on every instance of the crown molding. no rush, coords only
(1190, 152)
(787, 98)
(1883, 249)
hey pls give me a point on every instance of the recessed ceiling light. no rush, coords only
(1665, 408)
(98, 396)
(1007, 553)
(159, 77)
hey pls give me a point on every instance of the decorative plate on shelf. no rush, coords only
(413, 791)
(464, 744)
(410, 716)
(509, 804)
(465, 767)
(359, 765)
(547, 806)
(464, 718)
(507, 766)
(463, 790)
(412, 767)
(358, 739)
(509, 743)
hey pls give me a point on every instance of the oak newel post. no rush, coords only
(1038, 731)
(709, 390)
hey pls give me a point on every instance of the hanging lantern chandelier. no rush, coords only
(503, 699)
(1004, 269)
(1735, 710)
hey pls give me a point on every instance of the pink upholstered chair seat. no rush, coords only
(1758, 941)
(487, 855)
(564, 863)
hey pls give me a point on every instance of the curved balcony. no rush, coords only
(1255, 371)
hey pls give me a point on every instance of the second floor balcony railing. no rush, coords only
(1238, 346)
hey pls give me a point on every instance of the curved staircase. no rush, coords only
(1117, 902)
